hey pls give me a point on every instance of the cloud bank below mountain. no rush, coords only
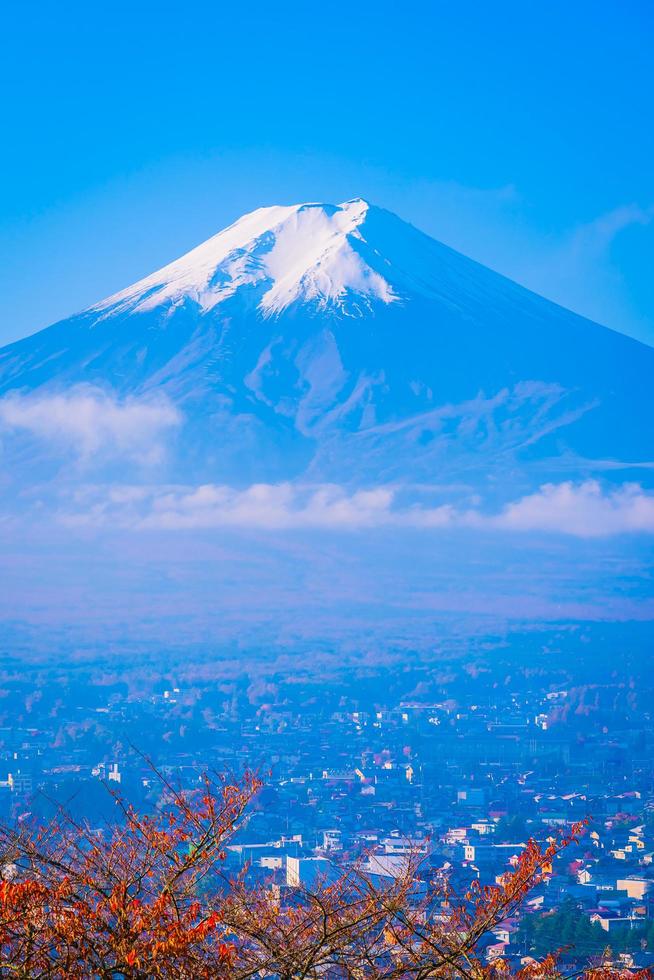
(583, 510)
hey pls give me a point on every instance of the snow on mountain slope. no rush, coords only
(338, 343)
(304, 252)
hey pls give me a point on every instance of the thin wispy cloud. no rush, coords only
(577, 268)
(574, 265)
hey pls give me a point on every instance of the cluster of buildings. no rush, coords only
(450, 767)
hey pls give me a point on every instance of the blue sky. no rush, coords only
(520, 133)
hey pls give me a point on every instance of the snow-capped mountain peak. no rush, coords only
(307, 252)
(449, 372)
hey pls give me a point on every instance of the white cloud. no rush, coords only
(271, 506)
(89, 420)
(582, 510)
(266, 506)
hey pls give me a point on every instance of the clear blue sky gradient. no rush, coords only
(520, 132)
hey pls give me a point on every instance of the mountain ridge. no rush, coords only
(337, 342)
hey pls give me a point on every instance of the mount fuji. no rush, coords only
(322, 422)
(331, 345)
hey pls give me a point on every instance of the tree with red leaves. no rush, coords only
(77, 904)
